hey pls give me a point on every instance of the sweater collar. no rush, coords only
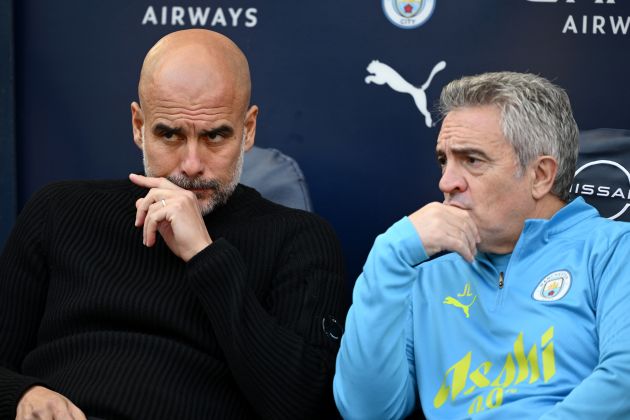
(239, 201)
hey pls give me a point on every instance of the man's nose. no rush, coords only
(192, 164)
(452, 180)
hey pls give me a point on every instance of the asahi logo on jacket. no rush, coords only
(484, 385)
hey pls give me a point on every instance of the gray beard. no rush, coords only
(221, 191)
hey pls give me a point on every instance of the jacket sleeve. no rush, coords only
(281, 354)
(375, 371)
(604, 393)
(23, 288)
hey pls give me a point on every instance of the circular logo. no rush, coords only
(408, 14)
(605, 185)
(553, 287)
(331, 328)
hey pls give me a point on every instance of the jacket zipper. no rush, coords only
(501, 280)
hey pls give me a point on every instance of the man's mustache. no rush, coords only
(194, 183)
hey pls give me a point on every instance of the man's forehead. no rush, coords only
(173, 101)
(473, 127)
(185, 119)
(192, 84)
(201, 101)
(195, 63)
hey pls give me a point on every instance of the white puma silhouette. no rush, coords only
(381, 73)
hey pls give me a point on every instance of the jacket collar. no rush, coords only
(536, 232)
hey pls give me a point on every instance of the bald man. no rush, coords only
(180, 294)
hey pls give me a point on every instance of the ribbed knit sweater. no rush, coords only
(243, 330)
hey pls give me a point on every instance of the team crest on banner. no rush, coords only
(408, 14)
(408, 8)
(553, 287)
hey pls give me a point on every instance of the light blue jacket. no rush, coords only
(553, 342)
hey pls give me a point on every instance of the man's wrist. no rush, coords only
(196, 250)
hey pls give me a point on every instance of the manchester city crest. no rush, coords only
(408, 14)
(553, 287)
(407, 8)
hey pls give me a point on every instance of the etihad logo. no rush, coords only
(408, 14)
(586, 24)
(381, 73)
(200, 16)
(490, 386)
(604, 184)
(449, 300)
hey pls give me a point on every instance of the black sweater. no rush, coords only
(243, 330)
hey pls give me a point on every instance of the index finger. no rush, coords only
(151, 182)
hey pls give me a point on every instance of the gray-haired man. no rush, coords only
(527, 316)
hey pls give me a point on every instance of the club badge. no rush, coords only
(408, 14)
(553, 287)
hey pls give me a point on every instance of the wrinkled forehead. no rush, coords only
(478, 126)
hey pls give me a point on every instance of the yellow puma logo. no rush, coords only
(466, 308)
(449, 300)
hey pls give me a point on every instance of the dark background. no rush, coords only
(365, 150)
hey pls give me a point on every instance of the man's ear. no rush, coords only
(137, 122)
(250, 127)
(544, 170)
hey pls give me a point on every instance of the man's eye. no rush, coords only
(213, 138)
(168, 135)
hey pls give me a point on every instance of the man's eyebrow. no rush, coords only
(223, 131)
(467, 151)
(165, 130)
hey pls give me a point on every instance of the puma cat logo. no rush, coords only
(381, 73)
(466, 308)
(467, 292)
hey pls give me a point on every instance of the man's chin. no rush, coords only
(206, 207)
(209, 201)
(203, 195)
(206, 203)
(210, 198)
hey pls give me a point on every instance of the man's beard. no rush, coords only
(219, 191)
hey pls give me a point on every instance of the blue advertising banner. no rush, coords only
(346, 89)
(8, 193)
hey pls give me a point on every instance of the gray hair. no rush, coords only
(536, 118)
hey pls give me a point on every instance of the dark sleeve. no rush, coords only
(23, 288)
(282, 353)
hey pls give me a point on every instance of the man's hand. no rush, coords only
(446, 228)
(174, 213)
(41, 403)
